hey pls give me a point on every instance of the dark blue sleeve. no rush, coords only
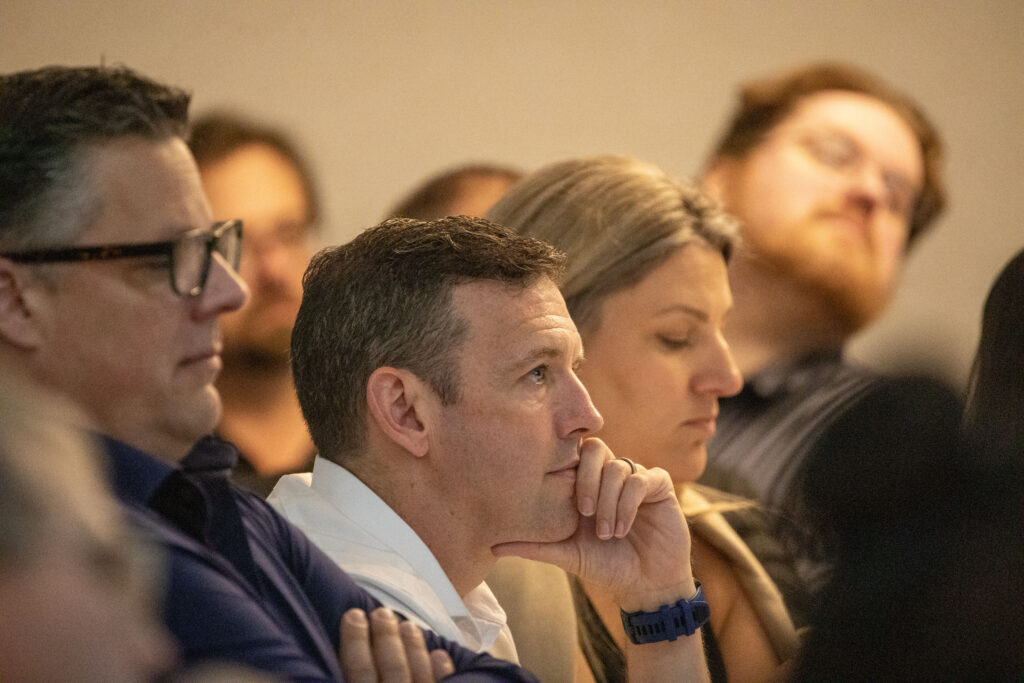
(475, 667)
(333, 592)
(214, 615)
(206, 612)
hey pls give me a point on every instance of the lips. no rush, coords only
(852, 222)
(705, 424)
(567, 469)
(206, 355)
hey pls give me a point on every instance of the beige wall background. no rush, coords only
(382, 93)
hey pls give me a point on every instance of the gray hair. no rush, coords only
(49, 119)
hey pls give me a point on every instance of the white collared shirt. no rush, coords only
(385, 556)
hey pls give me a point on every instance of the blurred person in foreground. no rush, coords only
(833, 175)
(995, 396)
(436, 365)
(256, 173)
(113, 277)
(647, 285)
(468, 190)
(79, 593)
(924, 532)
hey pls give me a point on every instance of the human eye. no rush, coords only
(538, 374)
(834, 151)
(675, 342)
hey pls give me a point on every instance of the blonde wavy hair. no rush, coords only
(616, 218)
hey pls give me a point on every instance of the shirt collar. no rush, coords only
(211, 456)
(345, 492)
(478, 616)
(135, 474)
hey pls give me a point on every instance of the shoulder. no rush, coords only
(214, 613)
(716, 574)
(722, 590)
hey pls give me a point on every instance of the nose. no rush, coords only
(867, 190)
(720, 376)
(225, 290)
(579, 417)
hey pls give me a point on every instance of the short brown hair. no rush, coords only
(218, 135)
(385, 299)
(438, 194)
(766, 102)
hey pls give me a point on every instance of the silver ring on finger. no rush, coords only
(632, 465)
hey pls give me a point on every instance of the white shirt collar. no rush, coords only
(368, 539)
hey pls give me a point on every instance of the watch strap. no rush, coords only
(670, 621)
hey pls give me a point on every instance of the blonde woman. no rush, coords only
(648, 289)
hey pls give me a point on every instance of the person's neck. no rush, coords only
(424, 504)
(465, 560)
(263, 418)
(774, 320)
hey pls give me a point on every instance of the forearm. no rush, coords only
(681, 659)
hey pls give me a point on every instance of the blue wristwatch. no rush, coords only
(669, 622)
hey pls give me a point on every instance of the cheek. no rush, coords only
(637, 402)
(146, 349)
(611, 392)
(892, 244)
(247, 267)
(101, 349)
(298, 263)
(773, 198)
(479, 444)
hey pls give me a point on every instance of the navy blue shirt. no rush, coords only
(243, 584)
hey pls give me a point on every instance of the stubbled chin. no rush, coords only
(569, 529)
(855, 301)
(561, 524)
(844, 277)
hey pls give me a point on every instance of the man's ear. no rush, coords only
(400, 405)
(18, 322)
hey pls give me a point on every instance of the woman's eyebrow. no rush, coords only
(689, 310)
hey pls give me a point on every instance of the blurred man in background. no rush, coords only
(468, 190)
(833, 175)
(256, 173)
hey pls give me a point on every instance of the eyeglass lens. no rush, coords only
(193, 254)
